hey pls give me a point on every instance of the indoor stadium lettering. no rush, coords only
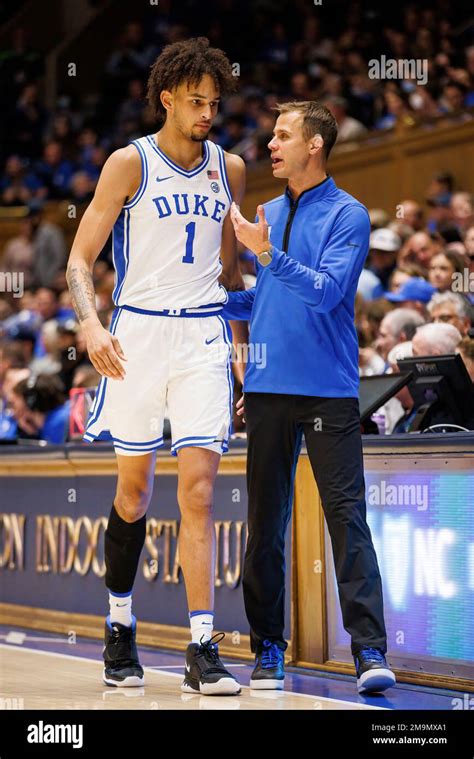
(64, 545)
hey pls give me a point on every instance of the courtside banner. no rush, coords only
(420, 510)
(52, 536)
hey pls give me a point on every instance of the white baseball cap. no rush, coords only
(385, 239)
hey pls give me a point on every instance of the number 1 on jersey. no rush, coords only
(188, 256)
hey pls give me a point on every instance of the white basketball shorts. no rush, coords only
(178, 367)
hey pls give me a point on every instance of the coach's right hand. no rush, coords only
(240, 408)
(104, 350)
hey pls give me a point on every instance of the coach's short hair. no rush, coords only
(317, 119)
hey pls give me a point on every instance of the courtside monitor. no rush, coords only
(441, 389)
(377, 390)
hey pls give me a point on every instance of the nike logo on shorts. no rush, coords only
(208, 342)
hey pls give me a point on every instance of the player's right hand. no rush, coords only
(105, 352)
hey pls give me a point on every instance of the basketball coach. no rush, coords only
(311, 244)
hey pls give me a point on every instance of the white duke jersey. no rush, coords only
(167, 238)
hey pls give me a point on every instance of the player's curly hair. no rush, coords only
(188, 61)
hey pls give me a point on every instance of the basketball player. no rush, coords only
(167, 197)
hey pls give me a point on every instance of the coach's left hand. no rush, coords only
(253, 236)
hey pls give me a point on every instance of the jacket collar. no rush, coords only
(313, 194)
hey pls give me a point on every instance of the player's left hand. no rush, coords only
(253, 236)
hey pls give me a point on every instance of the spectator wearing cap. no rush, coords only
(443, 267)
(450, 308)
(383, 249)
(415, 293)
(396, 327)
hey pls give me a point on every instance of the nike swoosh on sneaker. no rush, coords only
(208, 342)
(162, 179)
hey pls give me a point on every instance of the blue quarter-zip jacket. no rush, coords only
(302, 335)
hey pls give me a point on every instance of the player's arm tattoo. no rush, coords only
(81, 287)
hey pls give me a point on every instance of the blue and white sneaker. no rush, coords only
(122, 668)
(373, 673)
(269, 671)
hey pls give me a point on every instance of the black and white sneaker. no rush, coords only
(204, 671)
(373, 673)
(122, 668)
(269, 671)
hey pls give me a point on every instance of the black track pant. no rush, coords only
(331, 426)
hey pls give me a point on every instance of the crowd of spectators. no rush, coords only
(415, 297)
(416, 292)
(288, 51)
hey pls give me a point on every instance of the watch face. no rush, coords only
(264, 258)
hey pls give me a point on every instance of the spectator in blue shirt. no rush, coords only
(40, 408)
(18, 185)
(54, 171)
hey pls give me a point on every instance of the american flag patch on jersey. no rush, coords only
(213, 175)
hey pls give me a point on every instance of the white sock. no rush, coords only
(202, 625)
(121, 609)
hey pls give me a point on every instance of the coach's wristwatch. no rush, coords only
(265, 257)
